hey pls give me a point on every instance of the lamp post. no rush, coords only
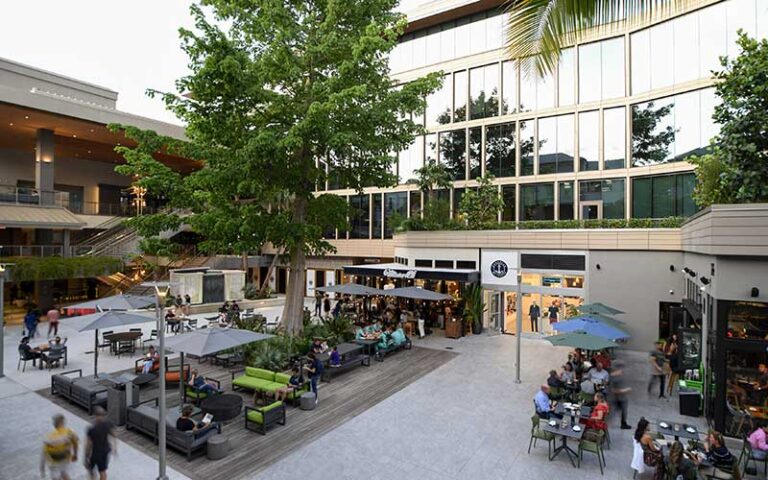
(518, 326)
(161, 292)
(2, 318)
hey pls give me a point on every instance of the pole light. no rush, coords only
(3, 267)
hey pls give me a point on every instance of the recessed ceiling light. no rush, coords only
(74, 136)
(26, 117)
(11, 124)
(89, 151)
(91, 130)
(77, 154)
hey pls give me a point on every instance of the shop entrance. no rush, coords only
(564, 305)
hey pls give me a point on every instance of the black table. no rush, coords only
(222, 407)
(368, 344)
(677, 434)
(143, 379)
(584, 411)
(344, 349)
(115, 339)
(564, 434)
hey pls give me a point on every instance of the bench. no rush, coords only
(346, 364)
(382, 352)
(80, 391)
(260, 419)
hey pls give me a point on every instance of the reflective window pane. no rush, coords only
(566, 74)
(589, 138)
(419, 51)
(500, 148)
(709, 129)
(414, 197)
(653, 132)
(439, 104)
(663, 196)
(556, 144)
(640, 44)
(509, 87)
(527, 91)
(431, 149)
(687, 126)
(686, 48)
(589, 72)
(447, 44)
(475, 151)
(740, 15)
(457, 194)
(609, 192)
(508, 196)
(477, 39)
(565, 143)
(493, 31)
(377, 216)
(712, 38)
(453, 153)
(662, 61)
(411, 160)
(537, 202)
(545, 92)
(614, 138)
(612, 64)
(527, 145)
(359, 219)
(565, 200)
(433, 46)
(484, 91)
(462, 38)
(460, 96)
(394, 204)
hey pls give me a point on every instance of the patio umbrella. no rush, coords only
(351, 289)
(417, 293)
(599, 308)
(116, 302)
(592, 326)
(108, 319)
(580, 339)
(208, 341)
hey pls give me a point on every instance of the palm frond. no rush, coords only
(537, 30)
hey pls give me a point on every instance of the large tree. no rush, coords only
(275, 88)
(539, 29)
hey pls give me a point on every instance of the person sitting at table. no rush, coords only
(567, 375)
(200, 384)
(294, 383)
(150, 360)
(385, 340)
(717, 453)
(598, 375)
(398, 336)
(680, 465)
(602, 357)
(599, 414)
(55, 350)
(28, 352)
(360, 334)
(172, 319)
(757, 440)
(335, 360)
(553, 381)
(317, 346)
(543, 406)
(652, 454)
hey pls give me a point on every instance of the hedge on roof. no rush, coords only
(54, 268)
(417, 224)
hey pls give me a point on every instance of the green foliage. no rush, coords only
(339, 329)
(736, 170)
(158, 247)
(54, 268)
(251, 292)
(278, 91)
(650, 145)
(431, 177)
(417, 224)
(475, 306)
(268, 355)
(480, 206)
(254, 323)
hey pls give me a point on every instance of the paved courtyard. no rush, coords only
(465, 419)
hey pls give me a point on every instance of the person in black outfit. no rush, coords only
(100, 442)
(327, 305)
(186, 424)
(534, 313)
(315, 371)
(619, 392)
(28, 352)
(318, 303)
(553, 311)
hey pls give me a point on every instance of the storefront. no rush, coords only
(450, 281)
(515, 281)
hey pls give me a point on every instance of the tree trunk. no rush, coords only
(265, 280)
(293, 310)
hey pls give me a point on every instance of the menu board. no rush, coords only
(690, 347)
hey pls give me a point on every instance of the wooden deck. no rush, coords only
(347, 395)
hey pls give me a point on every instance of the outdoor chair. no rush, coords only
(104, 342)
(152, 337)
(739, 418)
(750, 454)
(137, 330)
(24, 358)
(54, 357)
(196, 396)
(191, 324)
(594, 444)
(538, 434)
(737, 471)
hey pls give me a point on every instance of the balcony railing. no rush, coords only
(34, 251)
(34, 196)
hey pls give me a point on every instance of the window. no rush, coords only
(566, 74)
(508, 196)
(457, 194)
(614, 138)
(359, 220)
(475, 151)
(378, 220)
(601, 70)
(394, 204)
(712, 38)
(460, 96)
(610, 192)
(508, 87)
(453, 147)
(423, 263)
(747, 320)
(663, 196)
(536, 93)
(565, 200)
(500, 149)
(439, 104)
(410, 160)
(640, 43)
(466, 264)
(415, 200)
(484, 91)
(430, 142)
(686, 48)
(537, 201)
(443, 263)
(589, 138)
(527, 142)
(555, 144)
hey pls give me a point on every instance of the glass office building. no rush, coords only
(606, 135)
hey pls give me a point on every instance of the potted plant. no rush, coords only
(475, 308)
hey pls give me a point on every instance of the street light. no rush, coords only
(3, 266)
(161, 293)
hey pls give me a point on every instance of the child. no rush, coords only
(335, 358)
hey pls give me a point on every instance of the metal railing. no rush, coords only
(34, 251)
(33, 196)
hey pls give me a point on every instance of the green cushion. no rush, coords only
(282, 378)
(260, 373)
(271, 386)
(251, 383)
(256, 415)
(195, 394)
(297, 393)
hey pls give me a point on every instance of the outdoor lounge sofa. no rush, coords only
(265, 381)
(143, 417)
(260, 419)
(171, 372)
(78, 390)
(195, 395)
(382, 352)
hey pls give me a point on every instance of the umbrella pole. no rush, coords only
(182, 383)
(95, 352)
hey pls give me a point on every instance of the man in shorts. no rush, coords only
(99, 443)
(59, 450)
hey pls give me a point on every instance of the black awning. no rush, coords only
(391, 270)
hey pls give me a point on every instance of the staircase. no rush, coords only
(198, 260)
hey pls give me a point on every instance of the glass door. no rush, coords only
(494, 301)
(591, 210)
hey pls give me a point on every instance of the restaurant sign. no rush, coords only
(392, 273)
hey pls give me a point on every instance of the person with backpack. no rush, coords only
(59, 450)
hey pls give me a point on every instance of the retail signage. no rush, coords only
(498, 269)
(392, 273)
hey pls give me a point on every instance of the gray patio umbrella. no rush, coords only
(417, 293)
(208, 341)
(117, 302)
(108, 319)
(599, 308)
(351, 289)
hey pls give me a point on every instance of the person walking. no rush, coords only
(673, 363)
(59, 450)
(100, 441)
(656, 361)
(620, 392)
(53, 321)
(534, 312)
(187, 304)
(30, 322)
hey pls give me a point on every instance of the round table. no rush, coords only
(223, 407)
(143, 379)
(217, 447)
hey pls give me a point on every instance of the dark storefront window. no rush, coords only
(394, 203)
(377, 215)
(537, 201)
(747, 320)
(359, 220)
(508, 195)
(415, 203)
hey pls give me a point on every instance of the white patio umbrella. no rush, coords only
(417, 293)
(352, 289)
(117, 302)
(108, 319)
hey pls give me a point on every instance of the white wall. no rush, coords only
(413, 253)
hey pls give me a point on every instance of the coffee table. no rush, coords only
(223, 407)
(143, 379)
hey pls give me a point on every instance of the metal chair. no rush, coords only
(538, 434)
(54, 356)
(137, 330)
(750, 454)
(739, 418)
(24, 357)
(593, 446)
(104, 342)
(152, 336)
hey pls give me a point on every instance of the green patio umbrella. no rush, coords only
(599, 308)
(580, 339)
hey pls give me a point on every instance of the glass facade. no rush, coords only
(556, 144)
(475, 152)
(663, 196)
(565, 200)
(453, 153)
(589, 141)
(537, 201)
(500, 150)
(484, 91)
(609, 192)
(508, 196)
(359, 219)
(614, 138)
(394, 203)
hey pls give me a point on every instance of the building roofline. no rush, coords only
(49, 76)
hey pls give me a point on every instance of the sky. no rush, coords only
(126, 46)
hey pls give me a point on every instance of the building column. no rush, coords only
(66, 245)
(44, 158)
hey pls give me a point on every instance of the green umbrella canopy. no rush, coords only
(599, 308)
(581, 340)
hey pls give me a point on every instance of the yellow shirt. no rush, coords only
(59, 444)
